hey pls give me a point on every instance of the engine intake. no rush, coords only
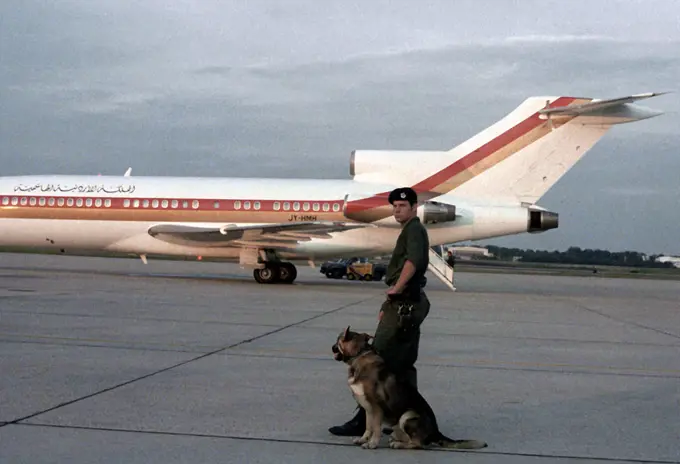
(432, 212)
(540, 221)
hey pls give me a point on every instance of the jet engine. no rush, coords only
(432, 212)
(398, 167)
(542, 220)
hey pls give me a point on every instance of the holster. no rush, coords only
(405, 316)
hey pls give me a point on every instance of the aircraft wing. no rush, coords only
(284, 235)
(595, 105)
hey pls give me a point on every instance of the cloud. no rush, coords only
(542, 38)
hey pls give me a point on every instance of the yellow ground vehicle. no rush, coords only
(361, 271)
(354, 269)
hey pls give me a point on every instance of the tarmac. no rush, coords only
(109, 360)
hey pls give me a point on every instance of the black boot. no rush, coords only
(355, 427)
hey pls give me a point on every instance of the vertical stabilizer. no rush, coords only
(562, 135)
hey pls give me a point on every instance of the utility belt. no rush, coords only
(404, 303)
(410, 294)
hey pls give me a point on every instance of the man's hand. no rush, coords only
(393, 291)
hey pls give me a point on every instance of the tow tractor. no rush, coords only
(354, 269)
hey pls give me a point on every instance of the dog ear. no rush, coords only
(346, 336)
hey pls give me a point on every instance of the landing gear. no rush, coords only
(276, 272)
(287, 273)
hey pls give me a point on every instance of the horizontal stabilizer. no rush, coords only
(597, 105)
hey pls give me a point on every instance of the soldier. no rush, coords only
(406, 306)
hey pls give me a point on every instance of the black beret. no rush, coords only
(404, 194)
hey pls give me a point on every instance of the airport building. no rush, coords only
(674, 260)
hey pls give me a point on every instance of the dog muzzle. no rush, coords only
(337, 355)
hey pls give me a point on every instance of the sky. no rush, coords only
(250, 88)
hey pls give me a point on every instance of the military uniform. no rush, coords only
(398, 334)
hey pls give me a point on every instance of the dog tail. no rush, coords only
(445, 442)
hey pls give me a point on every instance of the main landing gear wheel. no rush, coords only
(267, 275)
(284, 273)
(287, 273)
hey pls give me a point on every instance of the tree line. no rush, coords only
(576, 255)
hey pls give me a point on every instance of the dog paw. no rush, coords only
(396, 444)
(369, 445)
(359, 441)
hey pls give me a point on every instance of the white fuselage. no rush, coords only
(114, 214)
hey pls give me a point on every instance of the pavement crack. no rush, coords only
(185, 362)
(624, 321)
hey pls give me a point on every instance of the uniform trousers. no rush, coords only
(397, 337)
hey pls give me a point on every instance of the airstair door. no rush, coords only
(440, 268)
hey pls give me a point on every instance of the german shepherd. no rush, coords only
(390, 400)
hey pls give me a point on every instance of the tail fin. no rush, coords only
(516, 160)
(522, 156)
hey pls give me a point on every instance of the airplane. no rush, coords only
(488, 186)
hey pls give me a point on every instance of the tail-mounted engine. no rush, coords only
(399, 167)
(432, 212)
(542, 220)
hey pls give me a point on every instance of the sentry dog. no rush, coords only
(389, 400)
